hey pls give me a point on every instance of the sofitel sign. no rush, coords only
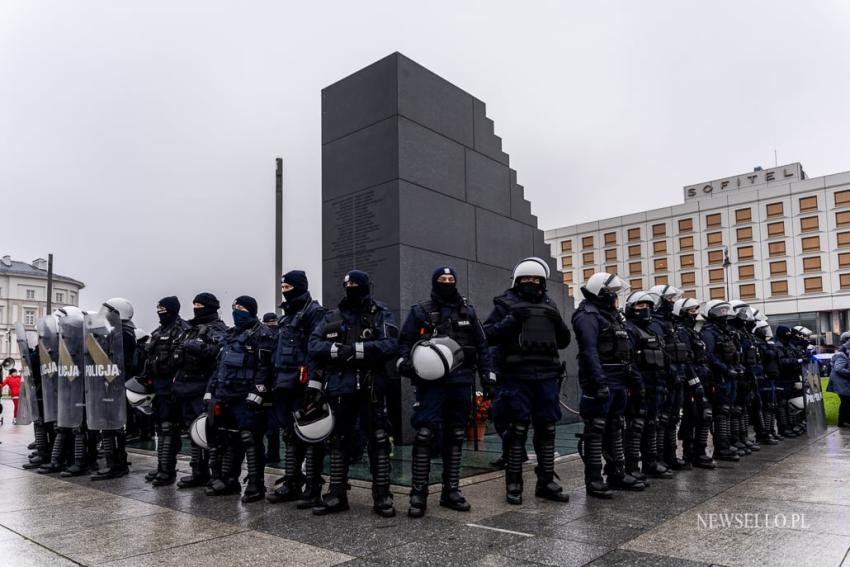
(791, 172)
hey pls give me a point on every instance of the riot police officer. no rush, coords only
(160, 369)
(195, 353)
(650, 362)
(605, 375)
(789, 382)
(696, 411)
(351, 348)
(676, 354)
(724, 364)
(443, 379)
(291, 374)
(528, 331)
(42, 427)
(746, 391)
(762, 338)
(236, 393)
(49, 341)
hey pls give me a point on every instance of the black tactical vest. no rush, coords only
(650, 350)
(459, 325)
(160, 349)
(537, 340)
(613, 344)
(678, 351)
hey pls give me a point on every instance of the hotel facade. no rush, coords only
(772, 237)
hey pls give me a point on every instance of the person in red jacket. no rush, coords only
(13, 380)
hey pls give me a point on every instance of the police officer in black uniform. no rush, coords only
(723, 359)
(763, 340)
(292, 372)
(443, 405)
(235, 396)
(352, 347)
(747, 390)
(696, 411)
(528, 331)
(195, 360)
(789, 382)
(160, 368)
(650, 361)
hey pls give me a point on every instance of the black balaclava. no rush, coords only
(531, 291)
(209, 311)
(298, 296)
(172, 310)
(355, 296)
(245, 319)
(640, 316)
(441, 291)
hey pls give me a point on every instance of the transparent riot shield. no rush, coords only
(71, 385)
(28, 410)
(48, 358)
(815, 412)
(106, 406)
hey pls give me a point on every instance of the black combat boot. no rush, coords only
(699, 457)
(379, 461)
(313, 462)
(421, 470)
(722, 449)
(451, 496)
(80, 466)
(336, 500)
(57, 455)
(671, 447)
(513, 471)
(649, 451)
(200, 469)
(632, 450)
(288, 488)
(256, 488)
(615, 459)
(166, 452)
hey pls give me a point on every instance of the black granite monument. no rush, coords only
(413, 177)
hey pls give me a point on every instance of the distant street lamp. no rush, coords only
(726, 264)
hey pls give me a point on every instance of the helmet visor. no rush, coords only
(615, 284)
(721, 310)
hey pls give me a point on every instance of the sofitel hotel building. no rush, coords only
(773, 237)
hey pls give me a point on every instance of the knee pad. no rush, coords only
(380, 437)
(246, 437)
(519, 430)
(544, 431)
(166, 428)
(595, 426)
(457, 435)
(637, 425)
(423, 437)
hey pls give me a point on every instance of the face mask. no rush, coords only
(356, 294)
(291, 295)
(608, 298)
(445, 290)
(644, 313)
(165, 317)
(203, 311)
(242, 318)
(530, 291)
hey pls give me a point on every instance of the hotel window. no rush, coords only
(659, 247)
(717, 293)
(811, 264)
(611, 254)
(662, 280)
(779, 288)
(635, 268)
(808, 203)
(611, 269)
(844, 281)
(659, 230)
(568, 277)
(30, 294)
(808, 224)
(567, 262)
(587, 242)
(660, 265)
(714, 238)
(715, 275)
(813, 285)
(634, 251)
(587, 273)
(777, 248)
(810, 243)
(569, 291)
(747, 272)
(776, 229)
(745, 253)
(844, 260)
(743, 215)
(747, 291)
(745, 233)
(566, 246)
(634, 234)
(842, 198)
(686, 243)
(587, 258)
(842, 218)
(715, 257)
(29, 317)
(610, 238)
(691, 293)
(712, 220)
(686, 260)
(686, 225)
(636, 284)
(774, 210)
(843, 239)
(778, 268)
(689, 278)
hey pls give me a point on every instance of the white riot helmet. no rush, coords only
(763, 329)
(666, 292)
(71, 314)
(742, 310)
(314, 426)
(198, 431)
(798, 403)
(845, 336)
(684, 304)
(119, 305)
(635, 299)
(436, 357)
(802, 331)
(140, 396)
(759, 316)
(531, 267)
(716, 309)
(604, 286)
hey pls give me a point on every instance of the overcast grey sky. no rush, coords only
(137, 139)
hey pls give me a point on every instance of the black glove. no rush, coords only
(405, 368)
(195, 346)
(313, 398)
(602, 393)
(345, 352)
